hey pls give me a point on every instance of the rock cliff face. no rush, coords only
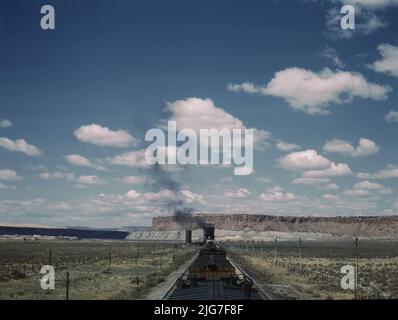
(363, 226)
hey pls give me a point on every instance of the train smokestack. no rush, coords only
(208, 231)
(188, 237)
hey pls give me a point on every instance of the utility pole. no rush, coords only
(138, 255)
(110, 258)
(275, 251)
(67, 286)
(301, 255)
(160, 261)
(356, 268)
(50, 258)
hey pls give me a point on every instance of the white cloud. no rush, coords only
(192, 197)
(9, 175)
(366, 147)
(130, 159)
(90, 180)
(392, 116)
(391, 171)
(165, 195)
(389, 62)
(19, 145)
(311, 181)
(312, 92)
(303, 161)
(226, 179)
(240, 193)
(196, 114)
(79, 160)
(330, 54)
(275, 189)
(331, 186)
(80, 182)
(331, 197)
(285, 146)
(367, 22)
(57, 175)
(277, 195)
(135, 180)
(367, 188)
(263, 179)
(367, 185)
(335, 170)
(5, 123)
(370, 4)
(103, 136)
(5, 187)
(132, 194)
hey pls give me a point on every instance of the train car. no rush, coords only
(211, 276)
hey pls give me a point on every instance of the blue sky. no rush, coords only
(75, 103)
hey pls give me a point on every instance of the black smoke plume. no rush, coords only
(161, 180)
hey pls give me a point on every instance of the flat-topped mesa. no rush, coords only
(372, 226)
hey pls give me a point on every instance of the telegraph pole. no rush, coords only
(110, 258)
(50, 258)
(356, 268)
(138, 255)
(301, 255)
(275, 251)
(67, 286)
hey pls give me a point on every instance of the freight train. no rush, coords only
(212, 276)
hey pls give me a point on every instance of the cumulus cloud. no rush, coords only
(103, 136)
(80, 182)
(335, 170)
(303, 161)
(366, 188)
(331, 186)
(392, 116)
(310, 181)
(389, 60)
(5, 123)
(366, 147)
(370, 4)
(239, 193)
(79, 160)
(57, 175)
(165, 195)
(135, 180)
(313, 92)
(19, 145)
(319, 177)
(263, 179)
(330, 54)
(368, 18)
(9, 175)
(285, 146)
(90, 180)
(276, 194)
(6, 187)
(391, 171)
(330, 197)
(130, 159)
(196, 113)
(192, 197)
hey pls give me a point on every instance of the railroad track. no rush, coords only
(246, 274)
